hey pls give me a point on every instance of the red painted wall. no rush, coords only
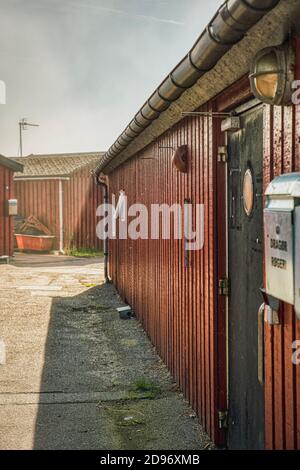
(6, 222)
(81, 199)
(40, 198)
(282, 146)
(179, 306)
(282, 386)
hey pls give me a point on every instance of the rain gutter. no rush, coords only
(228, 27)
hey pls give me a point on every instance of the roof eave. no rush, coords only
(209, 84)
(41, 177)
(11, 164)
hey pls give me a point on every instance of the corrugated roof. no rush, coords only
(56, 165)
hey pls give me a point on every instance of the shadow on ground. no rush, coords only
(104, 387)
(22, 260)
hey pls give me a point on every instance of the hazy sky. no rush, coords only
(82, 68)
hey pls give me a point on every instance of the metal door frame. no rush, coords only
(238, 111)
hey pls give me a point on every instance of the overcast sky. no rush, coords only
(82, 68)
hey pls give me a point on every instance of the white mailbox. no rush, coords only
(12, 205)
(282, 239)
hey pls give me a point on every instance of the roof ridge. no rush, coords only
(55, 165)
(49, 155)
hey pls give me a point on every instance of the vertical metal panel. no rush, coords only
(176, 304)
(40, 198)
(282, 377)
(6, 222)
(81, 199)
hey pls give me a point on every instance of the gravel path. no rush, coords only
(75, 375)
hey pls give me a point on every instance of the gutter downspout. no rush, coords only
(105, 241)
(61, 217)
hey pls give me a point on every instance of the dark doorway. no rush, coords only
(245, 213)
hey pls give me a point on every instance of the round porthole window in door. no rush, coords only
(248, 192)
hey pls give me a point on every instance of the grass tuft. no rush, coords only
(84, 253)
(145, 389)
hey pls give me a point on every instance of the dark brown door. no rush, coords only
(245, 213)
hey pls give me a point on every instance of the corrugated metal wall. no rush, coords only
(6, 222)
(179, 306)
(282, 155)
(81, 199)
(40, 198)
(176, 304)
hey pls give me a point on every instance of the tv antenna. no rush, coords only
(23, 126)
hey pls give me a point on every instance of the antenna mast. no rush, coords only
(23, 124)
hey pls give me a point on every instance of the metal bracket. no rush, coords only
(222, 155)
(271, 316)
(231, 124)
(223, 419)
(212, 114)
(224, 287)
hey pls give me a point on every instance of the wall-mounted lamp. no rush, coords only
(180, 159)
(272, 75)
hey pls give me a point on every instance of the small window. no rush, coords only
(248, 192)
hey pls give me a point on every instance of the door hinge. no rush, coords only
(223, 419)
(224, 286)
(222, 155)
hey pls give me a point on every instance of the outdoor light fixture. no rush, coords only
(180, 159)
(272, 75)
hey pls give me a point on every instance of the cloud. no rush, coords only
(82, 68)
(125, 13)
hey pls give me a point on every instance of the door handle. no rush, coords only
(260, 344)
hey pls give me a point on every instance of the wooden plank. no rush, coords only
(278, 330)
(202, 289)
(234, 95)
(269, 356)
(289, 379)
(297, 391)
(289, 316)
(220, 358)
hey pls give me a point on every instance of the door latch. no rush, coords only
(223, 419)
(222, 155)
(224, 287)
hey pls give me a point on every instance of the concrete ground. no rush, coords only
(75, 375)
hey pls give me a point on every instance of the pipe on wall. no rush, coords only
(232, 21)
(105, 241)
(61, 216)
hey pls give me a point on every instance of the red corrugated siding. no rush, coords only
(282, 387)
(81, 199)
(176, 305)
(179, 307)
(40, 198)
(6, 222)
(282, 137)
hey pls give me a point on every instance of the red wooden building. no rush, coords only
(245, 395)
(59, 191)
(7, 169)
